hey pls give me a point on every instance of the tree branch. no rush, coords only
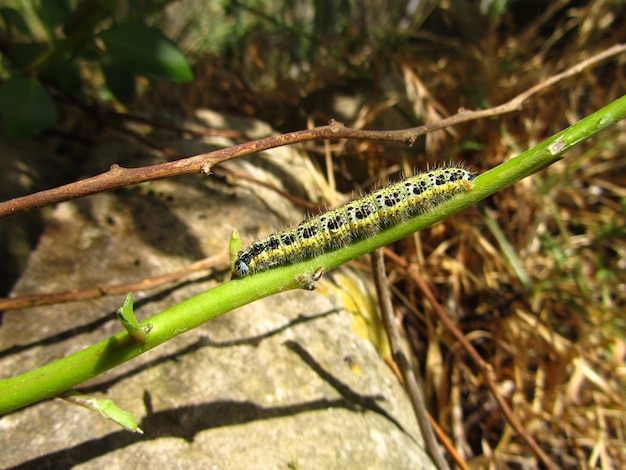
(118, 177)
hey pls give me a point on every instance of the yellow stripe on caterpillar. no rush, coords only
(367, 215)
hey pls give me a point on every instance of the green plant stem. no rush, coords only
(53, 379)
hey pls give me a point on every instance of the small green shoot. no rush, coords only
(126, 315)
(105, 407)
(234, 247)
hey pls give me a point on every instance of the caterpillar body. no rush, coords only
(355, 219)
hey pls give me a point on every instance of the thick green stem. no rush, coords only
(52, 379)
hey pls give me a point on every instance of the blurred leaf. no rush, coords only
(23, 53)
(120, 82)
(86, 15)
(143, 50)
(12, 20)
(469, 146)
(26, 108)
(89, 52)
(494, 8)
(65, 74)
(52, 13)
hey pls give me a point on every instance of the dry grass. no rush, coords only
(549, 320)
(535, 277)
(548, 316)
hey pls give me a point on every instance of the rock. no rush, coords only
(281, 383)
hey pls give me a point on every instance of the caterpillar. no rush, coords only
(356, 219)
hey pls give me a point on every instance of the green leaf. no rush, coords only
(119, 82)
(24, 53)
(52, 13)
(105, 407)
(63, 72)
(13, 21)
(143, 50)
(26, 108)
(65, 75)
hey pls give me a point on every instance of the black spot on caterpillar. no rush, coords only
(355, 219)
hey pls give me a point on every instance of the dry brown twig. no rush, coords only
(34, 300)
(410, 382)
(401, 364)
(118, 177)
(484, 367)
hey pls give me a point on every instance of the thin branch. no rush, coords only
(34, 300)
(393, 336)
(118, 177)
(447, 444)
(484, 367)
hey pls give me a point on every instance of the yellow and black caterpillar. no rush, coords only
(355, 219)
